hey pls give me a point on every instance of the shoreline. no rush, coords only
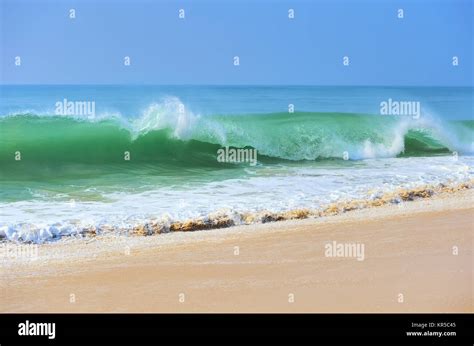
(255, 268)
(223, 219)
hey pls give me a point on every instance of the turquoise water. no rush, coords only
(151, 152)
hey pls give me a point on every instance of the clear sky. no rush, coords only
(273, 49)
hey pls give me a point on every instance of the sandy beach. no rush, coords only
(417, 258)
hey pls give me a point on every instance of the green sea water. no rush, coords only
(134, 159)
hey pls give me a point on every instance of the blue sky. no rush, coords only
(383, 49)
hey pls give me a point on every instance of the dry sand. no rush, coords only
(279, 267)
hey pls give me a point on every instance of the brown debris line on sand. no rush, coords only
(149, 228)
(395, 197)
(212, 222)
(268, 216)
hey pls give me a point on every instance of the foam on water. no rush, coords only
(271, 188)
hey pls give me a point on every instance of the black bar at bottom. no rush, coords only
(315, 329)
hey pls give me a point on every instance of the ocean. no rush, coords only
(113, 157)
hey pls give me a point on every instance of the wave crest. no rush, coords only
(169, 132)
